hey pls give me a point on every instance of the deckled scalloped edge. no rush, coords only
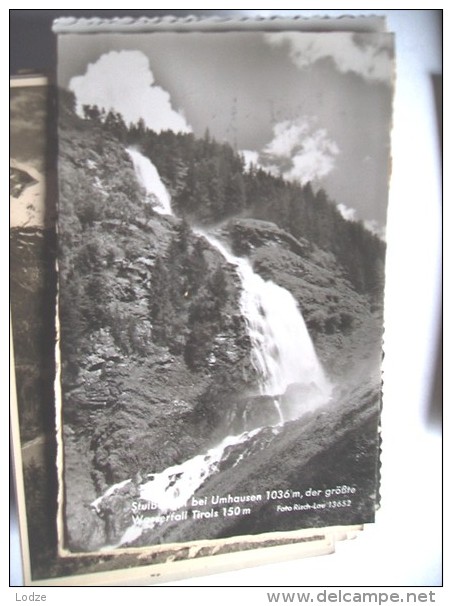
(321, 23)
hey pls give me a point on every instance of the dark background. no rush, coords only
(33, 44)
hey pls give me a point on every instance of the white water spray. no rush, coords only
(282, 350)
(164, 490)
(283, 356)
(172, 488)
(149, 178)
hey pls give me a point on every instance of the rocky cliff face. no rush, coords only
(344, 324)
(150, 331)
(156, 355)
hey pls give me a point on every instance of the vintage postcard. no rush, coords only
(33, 334)
(222, 214)
(221, 217)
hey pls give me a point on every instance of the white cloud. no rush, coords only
(369, 56)
(375, 227)
(123, 81)
(371, 225)
(250, 157)
(347, 212)
(298, 152)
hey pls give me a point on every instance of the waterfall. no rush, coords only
(288, 372)
(149, 178)
(168, 494)
(172, 488)
(282, 350)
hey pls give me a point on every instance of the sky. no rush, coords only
(306, 106)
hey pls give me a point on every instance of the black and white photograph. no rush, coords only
(222, 212)
(33, 279)
(33, 273)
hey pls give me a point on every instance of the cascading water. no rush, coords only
(282, 349)
(286, 364)
(172, 488)
(149, 178)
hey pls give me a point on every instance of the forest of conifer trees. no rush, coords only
(210, 183)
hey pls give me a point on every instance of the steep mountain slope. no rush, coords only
(157, 364)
